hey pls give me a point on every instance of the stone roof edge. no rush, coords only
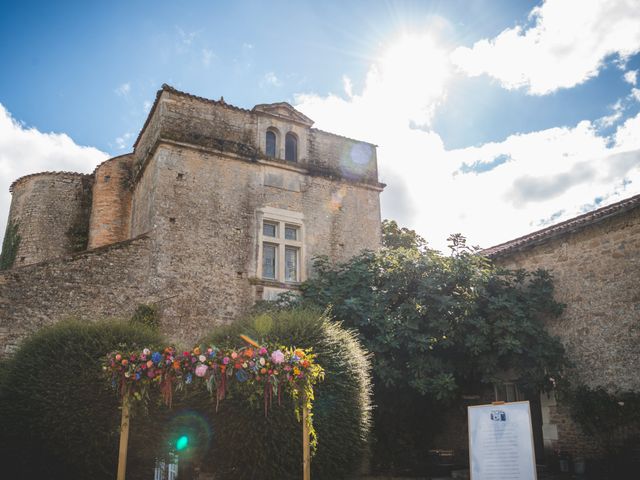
(168, 88)
(24, 177)
(304, 120)
(108, 160)
(343, 137)
(68, 257)
(561, 228)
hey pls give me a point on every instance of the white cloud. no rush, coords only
(124, 141)
(270, 79)
(567, 44)
(631, 76)
(492, 192)
(186, 38)
(123, 90)
(347, 85)
(635, 94)
(207, 56)
(616, 114)
(26, 150)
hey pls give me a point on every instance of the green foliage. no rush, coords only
(60, 417)
(249, 445)
(9, 246)
(78, 232)
(440, 326)
(146, 315)
(439, 323)
(601, 413)
(394, 236)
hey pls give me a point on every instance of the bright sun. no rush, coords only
(411, 76)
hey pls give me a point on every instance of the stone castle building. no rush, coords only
(219, 206)
(216, 206)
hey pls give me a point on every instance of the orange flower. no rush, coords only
(299, 353)
(125, 361)
(176, 365)
(263, 371)
(248, 353)
(305, 363)
(196, 350)
(223, 368)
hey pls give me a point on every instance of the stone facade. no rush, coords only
(595, 262)
(178, 222)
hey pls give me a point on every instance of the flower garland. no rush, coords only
(290, 370)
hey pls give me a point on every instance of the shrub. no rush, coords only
(60, 417)
(247, 444)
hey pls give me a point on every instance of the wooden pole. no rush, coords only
(306, 447)
(124, 436)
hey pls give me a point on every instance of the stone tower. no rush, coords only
(216, 206)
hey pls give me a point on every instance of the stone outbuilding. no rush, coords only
(595, 262)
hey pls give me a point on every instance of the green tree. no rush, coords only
(440, 326)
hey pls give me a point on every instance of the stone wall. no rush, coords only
(596, 269)
(196, 186)
(52, 213)
(106, 282)
(342, 157)
(111, 206)
(201, 209)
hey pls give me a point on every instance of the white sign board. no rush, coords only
(501, 442)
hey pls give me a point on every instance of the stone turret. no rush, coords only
(51, 213)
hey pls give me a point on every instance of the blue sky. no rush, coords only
(493, 118)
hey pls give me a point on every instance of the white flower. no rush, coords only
(262, 362)
(202, 358)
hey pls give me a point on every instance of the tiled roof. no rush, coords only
(562, 228)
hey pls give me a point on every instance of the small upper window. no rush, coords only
(271, 143)
(291, 148)
(269, 229)
(290, 232)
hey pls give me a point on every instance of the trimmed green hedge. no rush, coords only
(60, 418)
(247, 445)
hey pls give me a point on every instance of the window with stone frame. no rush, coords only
(271, 143)
(281, 247)
(508, 392)
(291, 147)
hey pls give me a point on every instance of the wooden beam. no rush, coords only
(306, 447)
(124, 436)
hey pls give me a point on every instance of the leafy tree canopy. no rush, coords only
(442, 325)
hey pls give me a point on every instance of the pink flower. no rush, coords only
(225, 360)
(263, 351)
(201, 370)
(234, 355)
(277, 357)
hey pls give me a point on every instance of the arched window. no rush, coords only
(271, 143)
(291, 148)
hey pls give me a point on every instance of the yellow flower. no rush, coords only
(296, 371)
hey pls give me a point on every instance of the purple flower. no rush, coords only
(277, 357)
